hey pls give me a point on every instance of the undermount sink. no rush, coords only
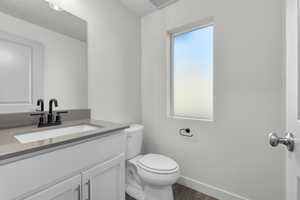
(54, 133)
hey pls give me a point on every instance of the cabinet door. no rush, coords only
(105, 181)
(69, 189)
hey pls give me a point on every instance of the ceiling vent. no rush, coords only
(162, 3)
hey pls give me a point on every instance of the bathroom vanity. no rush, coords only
(69, 157)
(89, 164)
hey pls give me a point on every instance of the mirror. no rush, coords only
(43, 54)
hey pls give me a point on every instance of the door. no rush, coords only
(69, 189)
(292, 139)
(105, 181)
(292, 100)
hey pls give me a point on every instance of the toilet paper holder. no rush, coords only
(186, 132)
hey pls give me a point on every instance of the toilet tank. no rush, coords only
(134, 140)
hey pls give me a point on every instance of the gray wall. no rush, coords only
(230, 157)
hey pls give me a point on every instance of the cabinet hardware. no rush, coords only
(88, 183)
(79, 192)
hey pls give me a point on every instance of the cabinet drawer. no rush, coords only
(24, 177)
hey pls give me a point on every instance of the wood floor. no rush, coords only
(183, 193)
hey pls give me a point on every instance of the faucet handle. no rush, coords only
(38, 113)
(41, 119)
(58, 116)
(62, 112)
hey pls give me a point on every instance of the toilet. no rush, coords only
(149, 176)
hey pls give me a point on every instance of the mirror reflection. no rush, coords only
(43, 54)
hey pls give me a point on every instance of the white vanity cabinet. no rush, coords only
(105, 181)
(93, 169)
(69, 189)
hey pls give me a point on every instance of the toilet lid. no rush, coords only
(158, 163)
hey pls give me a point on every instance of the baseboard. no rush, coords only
(209, 189)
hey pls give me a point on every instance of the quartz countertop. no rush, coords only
(10, 147)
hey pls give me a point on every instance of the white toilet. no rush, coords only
(150, 176)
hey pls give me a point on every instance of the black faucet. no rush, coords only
(50, 114)
(40, 112)
(50, 119)
(40, 102)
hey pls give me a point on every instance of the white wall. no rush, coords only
(65, 70)
(231, 153)
(114, 58)
(230, 157)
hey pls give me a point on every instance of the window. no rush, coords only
(191, 87)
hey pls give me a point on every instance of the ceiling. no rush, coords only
(38, 12)
(140, 7)
(144, 7)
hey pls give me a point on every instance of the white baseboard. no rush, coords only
(209, 189)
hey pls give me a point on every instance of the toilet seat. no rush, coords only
(158, 164)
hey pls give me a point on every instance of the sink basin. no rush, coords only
(53, 133)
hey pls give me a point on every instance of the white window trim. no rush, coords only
(170, 34)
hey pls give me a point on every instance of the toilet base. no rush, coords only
(135, 192)
(158, 193)
(150, 193)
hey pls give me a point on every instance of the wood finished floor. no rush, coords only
(183, 193)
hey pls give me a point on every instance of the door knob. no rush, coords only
(288, 141)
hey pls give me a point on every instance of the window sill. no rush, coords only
(190, 118)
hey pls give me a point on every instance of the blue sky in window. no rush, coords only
(193, 73)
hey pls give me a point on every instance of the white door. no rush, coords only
(105, 181)
(293, 100)
(69, 189)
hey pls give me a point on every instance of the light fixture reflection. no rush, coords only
(54, 4)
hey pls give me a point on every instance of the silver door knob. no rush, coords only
(288, 141)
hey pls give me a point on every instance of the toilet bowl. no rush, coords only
(150, 176)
